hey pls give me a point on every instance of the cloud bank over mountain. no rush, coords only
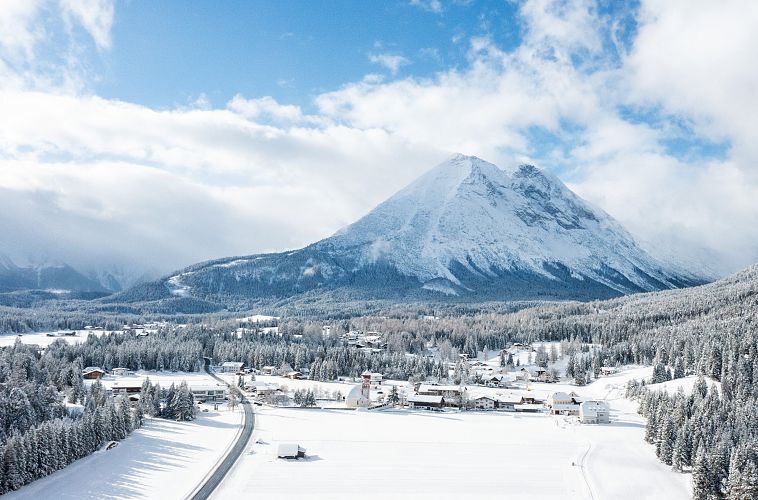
(604, 100)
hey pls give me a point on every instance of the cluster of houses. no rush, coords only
(120, 384)
(436, 397)
(291, 374)
(589, 411)
(95, 372)
(365, 341)
(238, 367)
(429, 396)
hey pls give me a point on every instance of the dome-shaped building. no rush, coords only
(356, 399)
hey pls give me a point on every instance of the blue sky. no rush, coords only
(165, 54)
(266, 125)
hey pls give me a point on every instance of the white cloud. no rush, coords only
(562, 80)
(265, 108)
(95, 16)
(430, 53)
(18, 35)
(561, 27)
(92, 178)
(33, 54)
(393, 62)
(96, 179)
(430, 5)
(697, 60)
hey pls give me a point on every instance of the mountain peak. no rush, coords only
(467, 228)
(452, 172)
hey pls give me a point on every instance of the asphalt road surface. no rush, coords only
(226, 464)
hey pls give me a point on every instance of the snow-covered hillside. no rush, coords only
(54, 276)
(466, 228)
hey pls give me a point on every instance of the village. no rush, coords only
(487, 386)
(520, 400)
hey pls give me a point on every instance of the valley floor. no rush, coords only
(162, 460)
(416, 454)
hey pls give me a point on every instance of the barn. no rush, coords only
(92, 373)
(290, 450)
(425, 402)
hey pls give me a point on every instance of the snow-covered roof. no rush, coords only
(232, 364)
(593, 407)
(288, 450)
(423, 398)
(259, 384)
(205, 387)
(438, 388)
(562, 396)
(267, 388)
(509, 399)
(528, 406)
(137, 384)
(91, 369)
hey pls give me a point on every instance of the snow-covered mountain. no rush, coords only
(464, 229)
(60, 277)
(57, 277)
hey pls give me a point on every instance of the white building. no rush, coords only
(120, 372)
(203, 393)
(262, 388)
(562, 403)
(374, 379)
(484, 403)
(509, 402)
(594, 412)
(453, 394)
(535, 373)
(356, 398)
(232, 366)
(608, 370)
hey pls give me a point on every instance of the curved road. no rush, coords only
(212, 482)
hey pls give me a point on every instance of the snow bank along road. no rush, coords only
(212, 481)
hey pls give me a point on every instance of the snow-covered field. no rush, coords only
(409, 454)
(163, 460)
(686, 384)
(43, 340)
(164, 378)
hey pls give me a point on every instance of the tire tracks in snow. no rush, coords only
(582, 465)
